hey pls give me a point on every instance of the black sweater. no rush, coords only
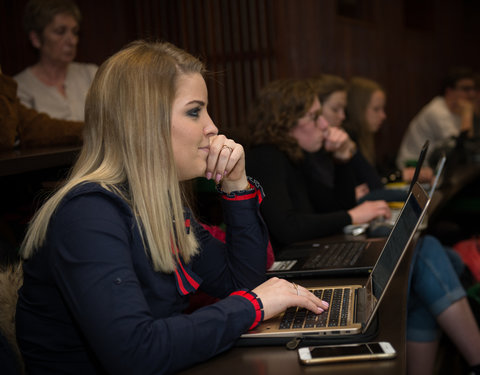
(304, 200)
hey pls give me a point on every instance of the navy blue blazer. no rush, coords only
(91, 302)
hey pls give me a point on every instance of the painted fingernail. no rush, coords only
(325, 303)
(218, 178)
(209, 175)
(320, 309)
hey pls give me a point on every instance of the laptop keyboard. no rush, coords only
(335, 316)
(336, 254)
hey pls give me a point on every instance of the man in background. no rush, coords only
(444, 118)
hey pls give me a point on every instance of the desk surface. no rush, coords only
(275, 360)
(20, 161)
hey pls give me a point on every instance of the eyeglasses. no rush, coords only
(311, 116)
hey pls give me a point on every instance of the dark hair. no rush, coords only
(454, 75)
(276, 111)
(327, 84)
(39, 13)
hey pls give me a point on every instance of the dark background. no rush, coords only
(406, 45)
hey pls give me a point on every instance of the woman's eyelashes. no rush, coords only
(194, 112)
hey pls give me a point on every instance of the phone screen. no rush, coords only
(348, 350)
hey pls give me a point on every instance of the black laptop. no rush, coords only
(334, 258)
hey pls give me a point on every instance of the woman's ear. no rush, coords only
(35, 39)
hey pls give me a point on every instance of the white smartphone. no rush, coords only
(313, 355)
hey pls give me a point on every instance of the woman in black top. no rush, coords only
(365, 115)
(307, 170)
(304, 165)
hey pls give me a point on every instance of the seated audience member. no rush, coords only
(332, 93)
(366, 101)
(55, 84)
(31, 128)
(112, 257)
(304, 165)
(444, 118)
(286, 130)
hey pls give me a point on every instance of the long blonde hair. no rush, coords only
(127, 140)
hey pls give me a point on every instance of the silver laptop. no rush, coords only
(353, 307)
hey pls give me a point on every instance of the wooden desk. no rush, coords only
(277, 360)
(24, 176)
(20, 161)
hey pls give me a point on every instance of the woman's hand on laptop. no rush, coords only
(369, 210)
(278, 294)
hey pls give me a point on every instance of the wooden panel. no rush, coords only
(247, 43)
(232, 37)
(408, 61)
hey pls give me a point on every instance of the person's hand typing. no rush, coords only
(369, 210)
(278, 294)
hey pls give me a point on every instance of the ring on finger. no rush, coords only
(227, 147)
(296, 287)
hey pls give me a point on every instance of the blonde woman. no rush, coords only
(112, 257)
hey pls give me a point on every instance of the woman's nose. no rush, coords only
(72, 38)
(210, 128)
(322, 123)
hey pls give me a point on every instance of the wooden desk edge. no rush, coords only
(267, 360)
(21, 161)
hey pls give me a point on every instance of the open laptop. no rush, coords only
(438, 174)
(342, 257)
(354, 306)
(395, 207)
(418, 167)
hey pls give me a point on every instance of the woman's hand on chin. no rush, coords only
(339, 144)
(226, 164)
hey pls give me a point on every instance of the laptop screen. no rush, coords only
(395, 245)
(421, 158)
